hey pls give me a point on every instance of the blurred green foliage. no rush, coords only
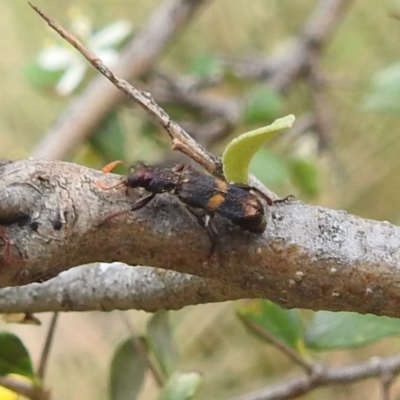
(262, 105)
(329, 330)
(153, 353)
(181, 386)
(385, 90)
(304, 173)
(205, 65)
(285, 325)
(14, 357)
(323, 331)
(162, 343)
(127, 371)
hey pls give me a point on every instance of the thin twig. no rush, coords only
(385, 385)
(321, 105)
(27, 389)
(79, 121)
(343, 374)
(280, 72)
(386, 377)
(293, 355)
(182, 141)
(47, 346)
(315, 33)
(75, 124)
(143, 352)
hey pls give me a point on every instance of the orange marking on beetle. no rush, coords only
(221, 185)
(214, 202)
(251, 207)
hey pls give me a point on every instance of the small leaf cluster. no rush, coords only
(156, 352)
(324, 331)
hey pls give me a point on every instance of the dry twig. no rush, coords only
(344, 374)
(296, 358)
(27, 389)
(79, 120)
(181, 140)
(44, 357)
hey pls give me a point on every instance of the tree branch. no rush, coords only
(308, 257)
(375, 367)
(116, 286)
(29, 390)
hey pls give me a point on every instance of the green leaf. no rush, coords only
(239, 152)
(340, 330)
(41, 78)
(109, 139)
(14, 357)
(268, 316)
(205, 65)
(304, 174)
(181, 386)
(127, 372)
(385, 92)
(263, 104)
(162, 343)
(269, 168)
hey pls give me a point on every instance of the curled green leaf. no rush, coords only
(239, 152)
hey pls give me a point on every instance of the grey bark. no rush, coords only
(308, 257)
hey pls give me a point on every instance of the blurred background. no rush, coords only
(220, 76)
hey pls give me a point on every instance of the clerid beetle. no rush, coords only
(239, 204)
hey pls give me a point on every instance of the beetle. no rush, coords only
(238, 203)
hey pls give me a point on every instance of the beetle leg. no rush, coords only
(101, 185)
(179, 167)
(143, 201)
(137, 206)
(209, 225)
(286, 199)
(264, 196)
(112, 216)
(212, 231)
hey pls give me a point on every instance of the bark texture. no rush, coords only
(54, 217)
